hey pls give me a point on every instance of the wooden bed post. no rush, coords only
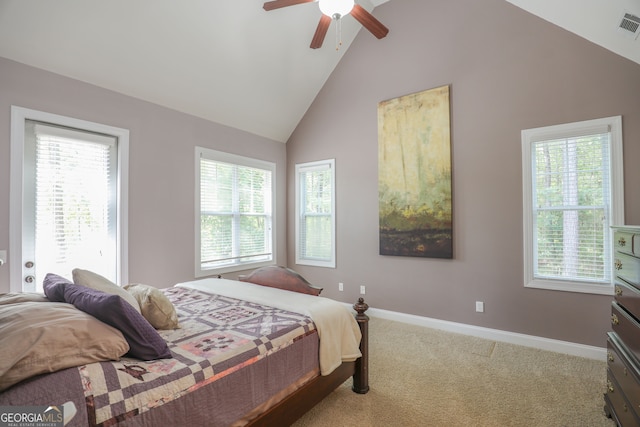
(361, 376)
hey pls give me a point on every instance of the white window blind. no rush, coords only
(572, 206)
(74, 198)
(235, 212)
(315, 213)
(572, 196)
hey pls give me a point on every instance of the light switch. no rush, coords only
(3, 257)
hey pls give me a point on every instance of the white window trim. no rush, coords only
(614, 124)
(331, 263)
(238, 160)
(18, 117)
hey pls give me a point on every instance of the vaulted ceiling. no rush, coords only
(230, 62)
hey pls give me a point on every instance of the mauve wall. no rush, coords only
(508, 71)
(161, 172)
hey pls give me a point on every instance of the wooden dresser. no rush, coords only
(622, 399)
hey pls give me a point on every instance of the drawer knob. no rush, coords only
(622, 241)
(610, 356)
(618, 290)
(609, 386)
(618, 264)
(614, 319)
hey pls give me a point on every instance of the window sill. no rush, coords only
(566, 286)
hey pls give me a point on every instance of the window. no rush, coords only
(572, 187)
(67, 186)
(315, 213)
(234, 212)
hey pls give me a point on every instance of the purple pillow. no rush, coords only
(144, 341)
(54, 287)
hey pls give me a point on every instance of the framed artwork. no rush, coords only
(414, 175)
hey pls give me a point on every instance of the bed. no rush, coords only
(246, 352)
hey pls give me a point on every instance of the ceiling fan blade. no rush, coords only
(369, 21)
(321, 31)
(277, 4)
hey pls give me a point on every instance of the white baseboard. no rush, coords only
(566, 347)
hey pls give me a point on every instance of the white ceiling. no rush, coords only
(227, 61)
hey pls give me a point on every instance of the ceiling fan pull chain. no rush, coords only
(338, 31)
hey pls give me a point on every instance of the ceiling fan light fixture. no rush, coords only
(336, 8)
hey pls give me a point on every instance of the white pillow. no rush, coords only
(95, 281)
(154, 306)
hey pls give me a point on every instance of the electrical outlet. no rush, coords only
(362, 290)
(341, 286)
(479, 307)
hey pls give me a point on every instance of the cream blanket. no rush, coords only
(337, 328)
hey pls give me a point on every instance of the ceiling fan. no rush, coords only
(334, 10)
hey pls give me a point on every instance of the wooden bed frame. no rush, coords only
(294, 406)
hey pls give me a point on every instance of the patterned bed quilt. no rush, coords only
(218, 336)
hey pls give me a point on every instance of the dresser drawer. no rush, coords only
(624, 241)
(624, 370)
(627, 268)
(624, 415)
(628, 296)
(627, 328)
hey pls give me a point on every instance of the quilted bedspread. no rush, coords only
(337, 328)
(218, 335)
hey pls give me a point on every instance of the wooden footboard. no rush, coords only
(361, 375)
(290, 409)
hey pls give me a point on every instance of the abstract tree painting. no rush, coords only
(414, 175)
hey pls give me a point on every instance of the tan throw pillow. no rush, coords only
(95, 281)
(38, 338)
(154, 306)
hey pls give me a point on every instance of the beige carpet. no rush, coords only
(427, 377)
